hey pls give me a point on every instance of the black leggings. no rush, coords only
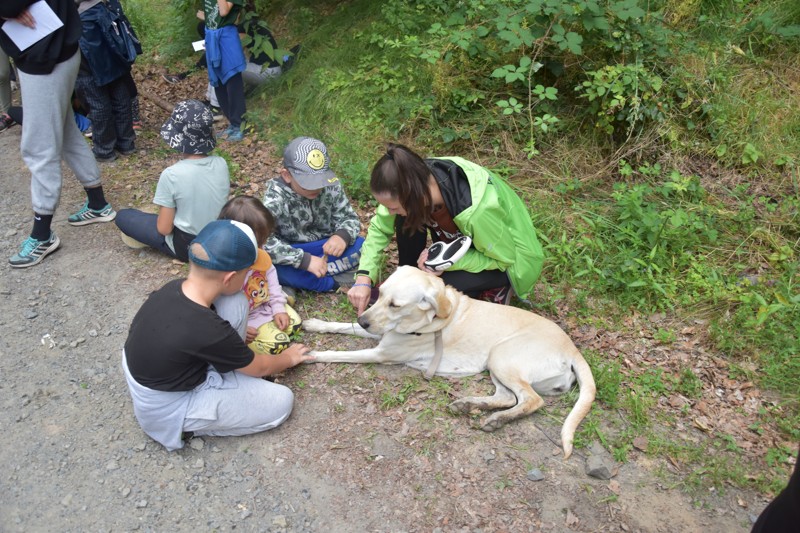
(470, 283)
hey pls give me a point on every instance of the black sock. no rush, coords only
(96, 199)
(41, 227)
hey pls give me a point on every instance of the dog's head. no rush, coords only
(409, 300)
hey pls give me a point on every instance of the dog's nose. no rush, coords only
(363, 322)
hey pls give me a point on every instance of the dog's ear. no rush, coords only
(443, 306)
(437, 302)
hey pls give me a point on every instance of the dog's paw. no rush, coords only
(493, 423)
(460, 407)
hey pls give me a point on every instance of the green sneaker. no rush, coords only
(90, 216)
(33, 251)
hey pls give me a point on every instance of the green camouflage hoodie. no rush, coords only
(300, 220)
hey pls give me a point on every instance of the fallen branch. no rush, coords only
(160, 102)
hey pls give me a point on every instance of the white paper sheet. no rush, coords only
(46, 23)
(199, 45)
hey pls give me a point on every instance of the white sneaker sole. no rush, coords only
(95, 220)
(41, 257)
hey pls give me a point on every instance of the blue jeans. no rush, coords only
(142, 227)
(303, 279)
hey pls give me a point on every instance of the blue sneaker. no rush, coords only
(33, 251)
(90, 216)
(235, 135)
(224, 134)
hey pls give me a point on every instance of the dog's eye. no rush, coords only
(392, 304)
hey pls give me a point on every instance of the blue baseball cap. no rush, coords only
(229, 246)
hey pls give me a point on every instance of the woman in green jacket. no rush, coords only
(449, 197)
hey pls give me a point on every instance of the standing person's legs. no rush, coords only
(100, 113)
(78, 156)
(5, 83)
(48, 114)
(120, 97)
(46, 100)
(232, 101)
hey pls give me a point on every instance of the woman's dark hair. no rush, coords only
(250, 211)
(404, 176)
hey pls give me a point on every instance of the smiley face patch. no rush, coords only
(316, 159)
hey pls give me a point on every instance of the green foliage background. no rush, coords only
(655, 142)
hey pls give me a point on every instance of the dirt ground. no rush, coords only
(72, 457)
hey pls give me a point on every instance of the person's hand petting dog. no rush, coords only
(359, 294)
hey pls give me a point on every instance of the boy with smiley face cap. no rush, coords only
(316, 234)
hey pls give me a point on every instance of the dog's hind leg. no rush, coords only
(502, 398)
(527, 402)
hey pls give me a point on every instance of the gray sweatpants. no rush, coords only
(228, 404)
(49, 133)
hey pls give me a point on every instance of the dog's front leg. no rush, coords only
(314, 325)
(370, 355)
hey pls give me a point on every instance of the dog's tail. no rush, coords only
(582, 406)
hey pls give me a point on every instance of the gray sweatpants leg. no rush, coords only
(233, 403)
(235, 309)
(49, 133)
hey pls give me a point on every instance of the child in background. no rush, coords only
(316, 236)
(226, 61)
(189, 193)
(271, 321)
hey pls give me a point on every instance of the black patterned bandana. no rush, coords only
(190, 129)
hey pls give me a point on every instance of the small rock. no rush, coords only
(598, 467)
(200, 464)
(11, 233)
(279, 521)
(93, 333)
(126, 492)
(141, 504)
(196, 444)
(112, 465)
(534, 474)
(244, 514)
(66, 500)
(30, 314)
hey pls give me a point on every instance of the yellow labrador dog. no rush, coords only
(417, 317)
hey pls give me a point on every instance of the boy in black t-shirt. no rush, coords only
(183, 348)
